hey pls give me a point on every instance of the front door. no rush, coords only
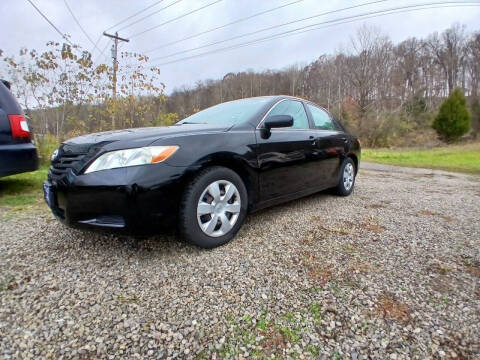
(285, 156)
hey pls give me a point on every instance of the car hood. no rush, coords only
(141, 136)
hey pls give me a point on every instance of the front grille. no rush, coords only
(64, 162)
(70, 157)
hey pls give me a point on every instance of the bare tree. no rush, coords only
(449, 50)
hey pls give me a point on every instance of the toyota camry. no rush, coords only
(206, 172)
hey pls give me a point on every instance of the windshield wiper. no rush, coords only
(188, 122)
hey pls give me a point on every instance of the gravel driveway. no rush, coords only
(393, 271)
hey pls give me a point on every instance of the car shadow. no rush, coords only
(167, 244)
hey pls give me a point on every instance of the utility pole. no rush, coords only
(116, 39)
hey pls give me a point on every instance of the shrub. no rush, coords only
(453, 119)
(166, 119)
(415, 106)
(46, 145)
(476, 117)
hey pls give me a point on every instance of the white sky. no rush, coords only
(22, 26)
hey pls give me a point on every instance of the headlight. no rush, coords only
(54, 155)
(131, 157)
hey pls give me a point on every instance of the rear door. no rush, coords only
(285, 157)
(331, 143)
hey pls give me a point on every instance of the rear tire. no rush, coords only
(346, 181)
(213, 207)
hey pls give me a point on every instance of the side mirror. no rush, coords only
(6, 83)
(278, 121)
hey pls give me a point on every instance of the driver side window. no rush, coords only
(295, 109)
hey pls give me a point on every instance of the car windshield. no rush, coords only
(229, 113)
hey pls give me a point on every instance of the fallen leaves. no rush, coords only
(392, 309)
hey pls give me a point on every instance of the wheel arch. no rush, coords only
(355, 161)
(233, 162)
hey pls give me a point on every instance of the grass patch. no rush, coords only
(460, 158)
(432, 213)
(9, 284)
(315, 350)
(127, 299)
(262, 323)
(372, 224)
(23, 189)
(473, 268)
(316, 310)
(228, 351)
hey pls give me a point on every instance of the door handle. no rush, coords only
(313, 139)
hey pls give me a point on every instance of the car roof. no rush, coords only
(276, 98)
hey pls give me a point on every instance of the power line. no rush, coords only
(79, 25)
(337, 22)
(103, 51)
(387, 12)
(48, 20)
(96, 43)
(156, 12)
(269, 28)
(132, 16)
(136, 21)
(147, 16)
(223, 26)
(178, 17)
(292, 22)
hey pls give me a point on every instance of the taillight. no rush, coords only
(19, 126)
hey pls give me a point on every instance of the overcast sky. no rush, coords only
(22, 26)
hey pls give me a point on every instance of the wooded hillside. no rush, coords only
(387, 93)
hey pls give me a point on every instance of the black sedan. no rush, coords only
(206, 172)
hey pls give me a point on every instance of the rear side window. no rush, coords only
(295, 109)
(321, 119)
(8, 102)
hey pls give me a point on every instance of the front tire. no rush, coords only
(213, 207)
(346, 180)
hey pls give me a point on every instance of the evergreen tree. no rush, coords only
(476, 117)
(453, 119)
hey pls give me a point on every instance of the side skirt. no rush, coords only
(285, 198)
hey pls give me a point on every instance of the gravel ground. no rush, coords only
(391, 272)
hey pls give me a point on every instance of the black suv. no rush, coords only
(17, 152)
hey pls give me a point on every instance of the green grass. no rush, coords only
(316, 310)
(22, 189)
(25, 189)
(461, 158)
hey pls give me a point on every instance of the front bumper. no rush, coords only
(134, 200)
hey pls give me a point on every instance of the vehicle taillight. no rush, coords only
(19, 126)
